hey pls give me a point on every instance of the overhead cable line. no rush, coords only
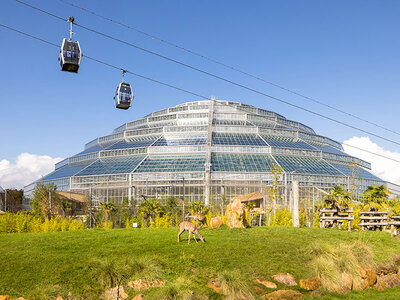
(370, 152)
(214, 75)
(228, 66)
(110, 65)
(159, 82)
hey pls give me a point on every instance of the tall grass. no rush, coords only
(338, 264)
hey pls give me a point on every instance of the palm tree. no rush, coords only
(337, 197)
(107, 209)
(378, 194)
(149, 209)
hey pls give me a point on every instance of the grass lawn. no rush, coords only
(44, 265)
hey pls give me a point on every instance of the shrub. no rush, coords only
(21, 222)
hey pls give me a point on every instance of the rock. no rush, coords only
(234, 215)
(141, 284)
(311, 284)
(20, 298)
(138, 297)
(258, 290)
(368, 279)
(344, 285)
(215, 285)
(386, 268)
(215, 222)
(266, 283)
(5, 297)
(285, 278)
(59, 298)
(111, 294)
(388, 281)
(359, 284)
(283, 295)
(371, 277)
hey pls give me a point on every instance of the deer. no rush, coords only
(191, 228)
(198, 218)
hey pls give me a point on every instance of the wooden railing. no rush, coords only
(394, 226)
(373, 220)
(334, 217)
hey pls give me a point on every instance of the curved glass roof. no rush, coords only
(243, 139)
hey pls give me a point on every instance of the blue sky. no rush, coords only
(344, 53)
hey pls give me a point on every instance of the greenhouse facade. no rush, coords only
(208, 150)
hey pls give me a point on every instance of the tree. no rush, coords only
(107, 209)
(378, 194)
(273, 191)
(65, 206)
(14, 199)
(149, 209)
(338, 197)
(41, 200)
(198, 207)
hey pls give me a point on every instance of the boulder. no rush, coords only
(311, 284)
(141, 284)
(266, 283)
(111, 294)
(285, 278)
(20, 298)
(138, 297)
(283, 295)
(234, 215)
(5, 297)
(215, 285)
(215, 222)
(59, 298)
(370, 277)
(388, 281)
(367, 279)
(344, 284)
(359, 284)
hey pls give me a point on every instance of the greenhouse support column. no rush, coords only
(50, 202)
(183, 210)
(90, 207)
(286, 191)
(295, 213)
(130, 190)
(5, 200)
(207, 174)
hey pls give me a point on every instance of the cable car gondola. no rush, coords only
(124, 94)
(70, 53)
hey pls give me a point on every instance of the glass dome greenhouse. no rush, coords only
(207, 150)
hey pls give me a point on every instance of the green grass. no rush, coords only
(44, 265)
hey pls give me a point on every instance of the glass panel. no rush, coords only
(67, 171)
(165, 141)
(305, 165)
(133, 143)
(91, 150)
(118, 165)
(232, 162)
(286, 142)
(358, 172)
(237, 139)
(172, 163)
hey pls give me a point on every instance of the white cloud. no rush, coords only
(27, 168)
(381, 167)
